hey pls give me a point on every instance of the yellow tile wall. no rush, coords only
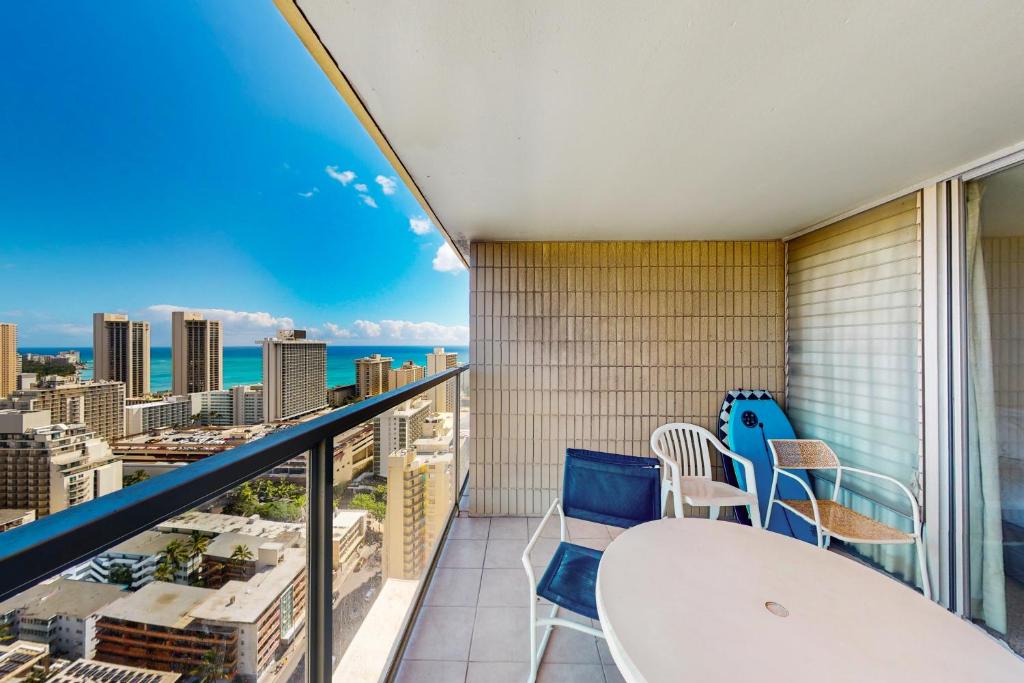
(595, 344)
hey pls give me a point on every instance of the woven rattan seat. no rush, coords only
(843, 523)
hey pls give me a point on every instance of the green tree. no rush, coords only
(375, 502)
(198, 543)
(120, 573)
(164, 572)
(38, 675)
(210, 668)
(176, 553)
(134, 478)
(241, 553)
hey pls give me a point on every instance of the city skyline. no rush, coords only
(243, 150)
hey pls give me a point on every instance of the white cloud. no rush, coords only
(446, 261)
(368, 200)
(309, 194)
(361, 187)
(425, 332)
(240, 327)
(69, 329)
(387, 185)
(420, 226)
(343, 177)
(366, 328)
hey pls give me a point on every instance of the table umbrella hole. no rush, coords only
(776, 609)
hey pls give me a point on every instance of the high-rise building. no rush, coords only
(294, 375)
(99, 405)
(120, 351)
(397, 429)
(8, 357)
(372, 375)
(172, 411)
(408, 373)
(197, 353)
(242, 404)
(443, 395)
(49, 467)
(420, 497)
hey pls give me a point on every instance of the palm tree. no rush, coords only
(241, 553)
(164, 572)
(197, 543)
(176, 554)
(210, 667)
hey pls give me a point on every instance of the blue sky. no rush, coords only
(159, 155)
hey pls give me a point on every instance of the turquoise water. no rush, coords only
(244, 364)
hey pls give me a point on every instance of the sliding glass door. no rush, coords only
(994, 411)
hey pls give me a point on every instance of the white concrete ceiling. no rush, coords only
(681, 119)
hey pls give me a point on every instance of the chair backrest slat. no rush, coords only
(687, 445)
(620, 490)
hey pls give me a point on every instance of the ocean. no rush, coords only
(244, 364)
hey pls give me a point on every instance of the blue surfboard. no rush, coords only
(751, 424)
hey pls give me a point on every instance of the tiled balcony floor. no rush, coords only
(473, 624)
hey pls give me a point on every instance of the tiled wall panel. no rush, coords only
(595, 344)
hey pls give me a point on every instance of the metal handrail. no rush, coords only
(34, 552)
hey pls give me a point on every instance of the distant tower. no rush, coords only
(372, 375)
(8, 358)
(294, 375)
(120, 351)
(443, 395)
(197, 353)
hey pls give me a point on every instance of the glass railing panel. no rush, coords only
(215, 593)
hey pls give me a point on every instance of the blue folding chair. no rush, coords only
(617, 490)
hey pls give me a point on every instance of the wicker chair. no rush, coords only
(830, 518)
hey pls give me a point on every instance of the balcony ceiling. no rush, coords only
(682, 119)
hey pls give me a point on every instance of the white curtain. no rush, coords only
(986, 533)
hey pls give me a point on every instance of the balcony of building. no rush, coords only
(658, 205)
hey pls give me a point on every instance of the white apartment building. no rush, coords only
(294, 375)
(443, 395)
(397, 429)
(60, 614)
(240, 405)
(8, 357)
(120, 351)
(98, 404)
(407, 373)
(421, 492)
(50, 467)
(173, 411)
(140, 555)
(197, 353)
(372, 375)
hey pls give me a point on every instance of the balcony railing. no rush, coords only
(35, 552)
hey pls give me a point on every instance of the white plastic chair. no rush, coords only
(684, 449)
(830, 518)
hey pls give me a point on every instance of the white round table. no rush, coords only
(685, 600)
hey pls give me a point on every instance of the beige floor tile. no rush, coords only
(581, 528)
(513, 528)
(567, 646)
(463, 553)
(504, 554)
(504, 588)
(423, 671)
(470, 528)
(497, 672)
(454, 587)
(442, 633)
(500, 635)
(552, 672)
(612, 675)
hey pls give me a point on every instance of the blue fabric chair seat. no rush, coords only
(570, 580)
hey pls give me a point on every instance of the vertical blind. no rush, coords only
(854, 347)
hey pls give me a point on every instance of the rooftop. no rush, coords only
(159, 603)
(224, 544)
(243, 602)
(77, 599)
(215, 523)
(148, 543)
(90, 670)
